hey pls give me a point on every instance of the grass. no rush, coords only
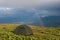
(39, 33)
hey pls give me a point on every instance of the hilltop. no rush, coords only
(39, 33)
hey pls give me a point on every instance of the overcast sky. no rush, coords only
(42, 6)
(14, 8)
(26, 3)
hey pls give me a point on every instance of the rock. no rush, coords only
(23, 30)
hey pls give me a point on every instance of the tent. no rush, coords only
(23, 30)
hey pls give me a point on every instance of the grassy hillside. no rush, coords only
(39, 33)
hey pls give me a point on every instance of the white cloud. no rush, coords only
(6, 11)
(8, 5)
(25, 3)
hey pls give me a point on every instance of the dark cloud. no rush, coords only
(15, 15)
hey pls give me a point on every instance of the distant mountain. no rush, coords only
(53, 21)
(49, 21)
(16, 16)
(31, 17)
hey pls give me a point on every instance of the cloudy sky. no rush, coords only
(26, 3)
(13, 9)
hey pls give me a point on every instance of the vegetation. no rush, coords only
(39, 33)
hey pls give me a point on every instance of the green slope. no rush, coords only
(39, 33)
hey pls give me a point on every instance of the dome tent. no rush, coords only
(23, 30)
